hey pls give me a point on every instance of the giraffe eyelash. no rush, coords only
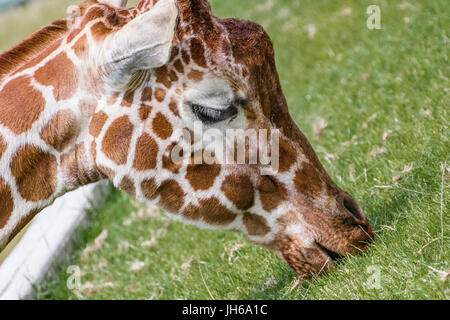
(211, 115)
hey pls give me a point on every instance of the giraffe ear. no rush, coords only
(143, 43)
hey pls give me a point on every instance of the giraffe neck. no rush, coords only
(48, 97)
(44, 119)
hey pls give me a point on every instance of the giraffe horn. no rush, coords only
(115, 3)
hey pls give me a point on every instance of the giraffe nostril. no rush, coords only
(353, 207)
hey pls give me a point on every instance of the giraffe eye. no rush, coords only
(212, 115)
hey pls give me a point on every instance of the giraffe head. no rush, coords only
(156, 70)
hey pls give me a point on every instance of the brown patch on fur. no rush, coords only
(272, 192)
(128, 99)
(288, 219)
(202, 176)
(307, 180)
(60, 73)
(61, 130)
(31, 47)
(162, 76)
(171, 196)
(160, 94)
(75, 169)
(146, 153)
(198, 52)
(175, 51)
(212, 212)
(142, 4)
(80, 46)
(179, 66)
(288, 156)
(173, 76)
(109, 14)
(97, 123)
(99, 31)
(35, 172)
(72, 35)
(40, 57)
(173, 106)
(144, 111)
(168, 164)
(161, 126)
(256, 225)
(127, 185)
(239, 190)
(92, 13)
(7, 203)
(195, 75)
(149, 189)
(3, 146)
(20, 105)
(116, 142)
(185, 57)
(146, 94)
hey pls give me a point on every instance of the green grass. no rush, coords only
(365, 84)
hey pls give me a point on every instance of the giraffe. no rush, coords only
(103, 93)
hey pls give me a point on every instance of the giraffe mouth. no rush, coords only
(334, 256)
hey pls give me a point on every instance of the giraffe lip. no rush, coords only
(333, 255)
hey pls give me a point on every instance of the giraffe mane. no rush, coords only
(29, 48)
